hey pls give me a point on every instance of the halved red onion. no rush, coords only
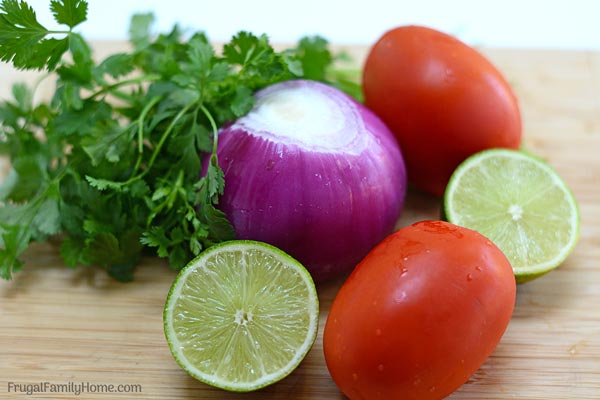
(313, 172)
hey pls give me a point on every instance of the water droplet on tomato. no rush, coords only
(449, 77)
(403, 271)
(380, 367)
(377, 332)
(400, 296)
(478, 268)
(432, 389)
(469, 277)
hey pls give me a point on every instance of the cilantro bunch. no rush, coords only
(112, 163)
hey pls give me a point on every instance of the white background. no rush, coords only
(561, 24)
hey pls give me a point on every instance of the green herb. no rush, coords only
(111, 163)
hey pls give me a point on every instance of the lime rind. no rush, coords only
(520, 203)
(274, 322)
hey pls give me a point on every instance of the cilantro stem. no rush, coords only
(132, 81)
(123, 96)
(140, 131)
(165, 135)
(39, 81)
(159, 145)
(141, 120)
(70, 31)
(213, 126)
(214, 160)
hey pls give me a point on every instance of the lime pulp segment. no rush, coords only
(520, 203)
(241, 316)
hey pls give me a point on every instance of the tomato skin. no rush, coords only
(419, 315)
(442, 99)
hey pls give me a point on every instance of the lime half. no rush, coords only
(241, 315)
(520, 203)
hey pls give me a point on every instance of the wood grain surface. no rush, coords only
(59, 325)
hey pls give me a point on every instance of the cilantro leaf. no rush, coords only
(23, 39)
(18, 16)
(71, 251)
(108, 143)
(14, 240)
(244, 48)
(318, 63)
(156, 237)
(315, 57)
(69, 12)
(19, 224)
(28, 176)
(115, 66)
(47, 218)
(242, 102)
(23, 97)
(218, 224)
(200, 53)
(215, 179)
(185, 148)
(139, 30)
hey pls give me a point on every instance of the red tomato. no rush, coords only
(442, 99)
(419, 315)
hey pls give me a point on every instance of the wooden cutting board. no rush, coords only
(70, 327)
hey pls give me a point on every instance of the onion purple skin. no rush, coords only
(326, 209)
